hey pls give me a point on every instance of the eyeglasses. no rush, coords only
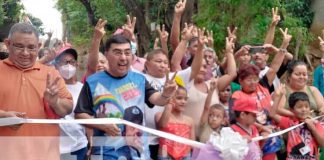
(119, 53)
(21, 48)
(72, 62)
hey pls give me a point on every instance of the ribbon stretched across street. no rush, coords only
(16, 120)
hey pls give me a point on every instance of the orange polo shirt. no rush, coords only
(22, 90)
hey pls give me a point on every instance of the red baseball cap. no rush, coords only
(247, 104)
(67, 50)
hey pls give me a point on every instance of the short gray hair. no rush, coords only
(23, 28)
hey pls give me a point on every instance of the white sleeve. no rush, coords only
(185, 75)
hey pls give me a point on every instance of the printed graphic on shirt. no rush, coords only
(302, 144)
(106, 104)
(119, 98)
(128, 91)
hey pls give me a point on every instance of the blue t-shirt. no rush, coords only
(105, 96)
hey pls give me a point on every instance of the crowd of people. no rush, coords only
(191, 94)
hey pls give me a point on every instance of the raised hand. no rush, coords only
(164, 35)
(99, 30)
(194, 30)
(51, 92)
(275, 17)
(242, 50)
(321, 44)
(49, 34)
(156, 43)
(186, 33)
(50, 55)
(210, 38)
(180, 6)
(202, 39)
(281, 90)
(129, 28)
(270, 48)
(170, 86)
(286, 38)
(213, 84)
(231, 34)
(229, 48)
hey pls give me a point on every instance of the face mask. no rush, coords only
(133, 47)
(67, 71)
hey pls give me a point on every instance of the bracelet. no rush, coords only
(283, 50)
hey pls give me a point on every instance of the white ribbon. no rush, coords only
(281, 132)
(16, 120)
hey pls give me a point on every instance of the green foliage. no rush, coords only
(253, 18)
(2, 14)
(76, 19)
(37, 23)
(9, 11)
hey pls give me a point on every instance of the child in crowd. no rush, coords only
(224, 97)
(303, 142)
(213, 116)
(272, 145)
(172, 120)
(245, 111)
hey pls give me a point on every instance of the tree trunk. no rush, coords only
(144, 34)
(90, 11)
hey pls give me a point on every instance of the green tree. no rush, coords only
(78, 20)
(36, 23)
(252, 19)
(86, 13)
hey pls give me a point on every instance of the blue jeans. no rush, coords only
(80, 154)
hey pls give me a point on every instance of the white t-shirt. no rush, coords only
(264, 71)
(73, 136)
(158, 83)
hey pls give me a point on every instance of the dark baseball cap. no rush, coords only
(133, 114)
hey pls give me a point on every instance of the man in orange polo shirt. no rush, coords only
(30, 89)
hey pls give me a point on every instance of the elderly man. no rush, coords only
(111, 93)
(30, 89)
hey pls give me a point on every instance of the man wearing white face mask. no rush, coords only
(73, 140)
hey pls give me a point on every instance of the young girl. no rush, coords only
(172, 120)
(213, 116)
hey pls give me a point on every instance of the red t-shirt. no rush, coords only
(254, 147)
(261, 95)
(299, 138)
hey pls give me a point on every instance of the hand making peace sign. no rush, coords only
(99, 30)
(286, 38)
(129, 28)
(163, 34)
(170, 86)
(51, 92)
(275, 17)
